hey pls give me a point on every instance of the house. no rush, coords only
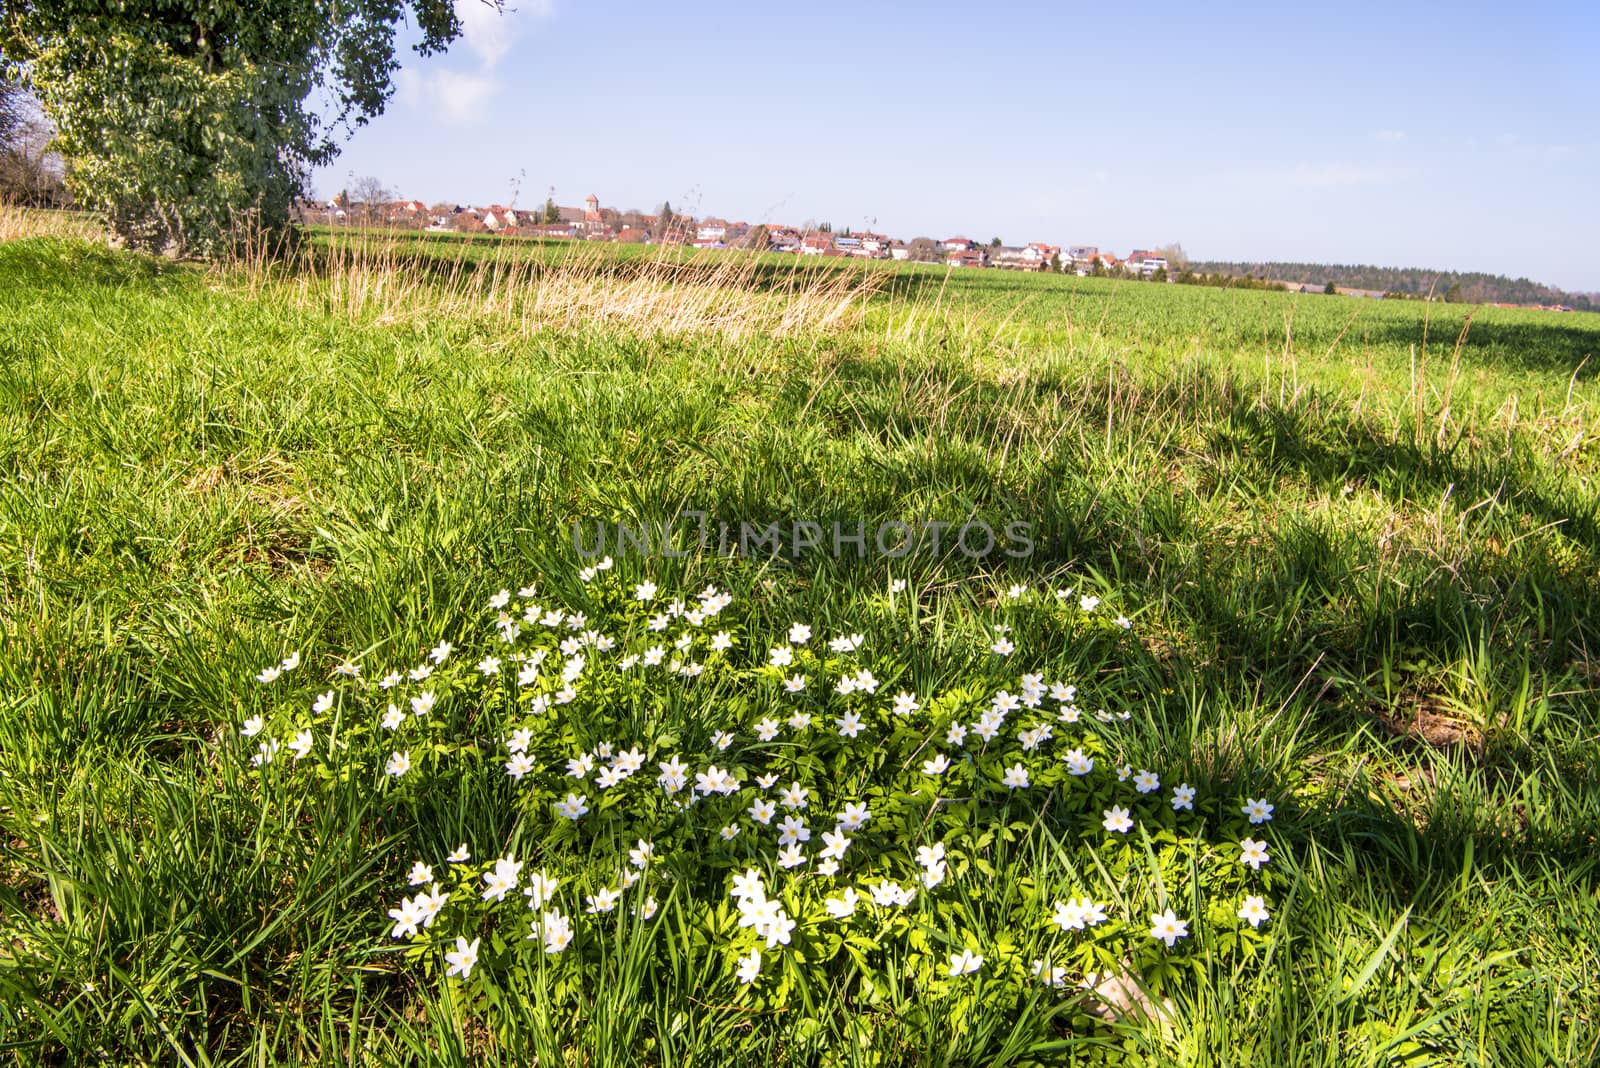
(560, 230)
(783, 239)
(972, 257)
(957, 244)
(401, 211)
(1081, 258)
(633, 235)
(877, 244)
(1143, 261)
(899, 251)
(319, 211)
(816, 244)
(499, 217)
(711, 230)
(467, 221)
(323, 211)
(719, 233)
(1019, 259)
(1041, 252)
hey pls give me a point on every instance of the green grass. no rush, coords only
(1358, 541)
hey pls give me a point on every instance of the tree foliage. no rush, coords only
(187, 122)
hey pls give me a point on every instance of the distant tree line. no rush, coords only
(1470, 287)
(1223, 280)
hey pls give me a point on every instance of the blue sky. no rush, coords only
(1454, 136)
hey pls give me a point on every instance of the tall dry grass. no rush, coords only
(522, 288)
(18, 222)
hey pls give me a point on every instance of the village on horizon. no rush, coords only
(594, 223)
(375, 206)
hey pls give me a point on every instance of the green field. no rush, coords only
(1355, 544)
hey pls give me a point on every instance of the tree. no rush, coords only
(826, 228)
(372, 195)
(1055, 261)
(758, 237)
(185, 125)
(1174, 255)
(552, 214)
(1330, 289)
(371, 190)
(996, 243)
(923, 250)
(1453, 294)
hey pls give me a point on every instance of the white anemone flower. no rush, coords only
(964, 963)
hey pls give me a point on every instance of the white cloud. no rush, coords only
(489, 33)
(1392, 137)
(407, 85)
(451, 94)
(462, 96)
(463, 91)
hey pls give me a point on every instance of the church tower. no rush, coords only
(591, 206)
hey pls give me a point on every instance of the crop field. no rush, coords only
(418, 652)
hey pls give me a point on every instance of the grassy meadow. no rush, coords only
(1356, 545)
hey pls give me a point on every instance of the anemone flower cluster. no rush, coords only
(815, 782)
